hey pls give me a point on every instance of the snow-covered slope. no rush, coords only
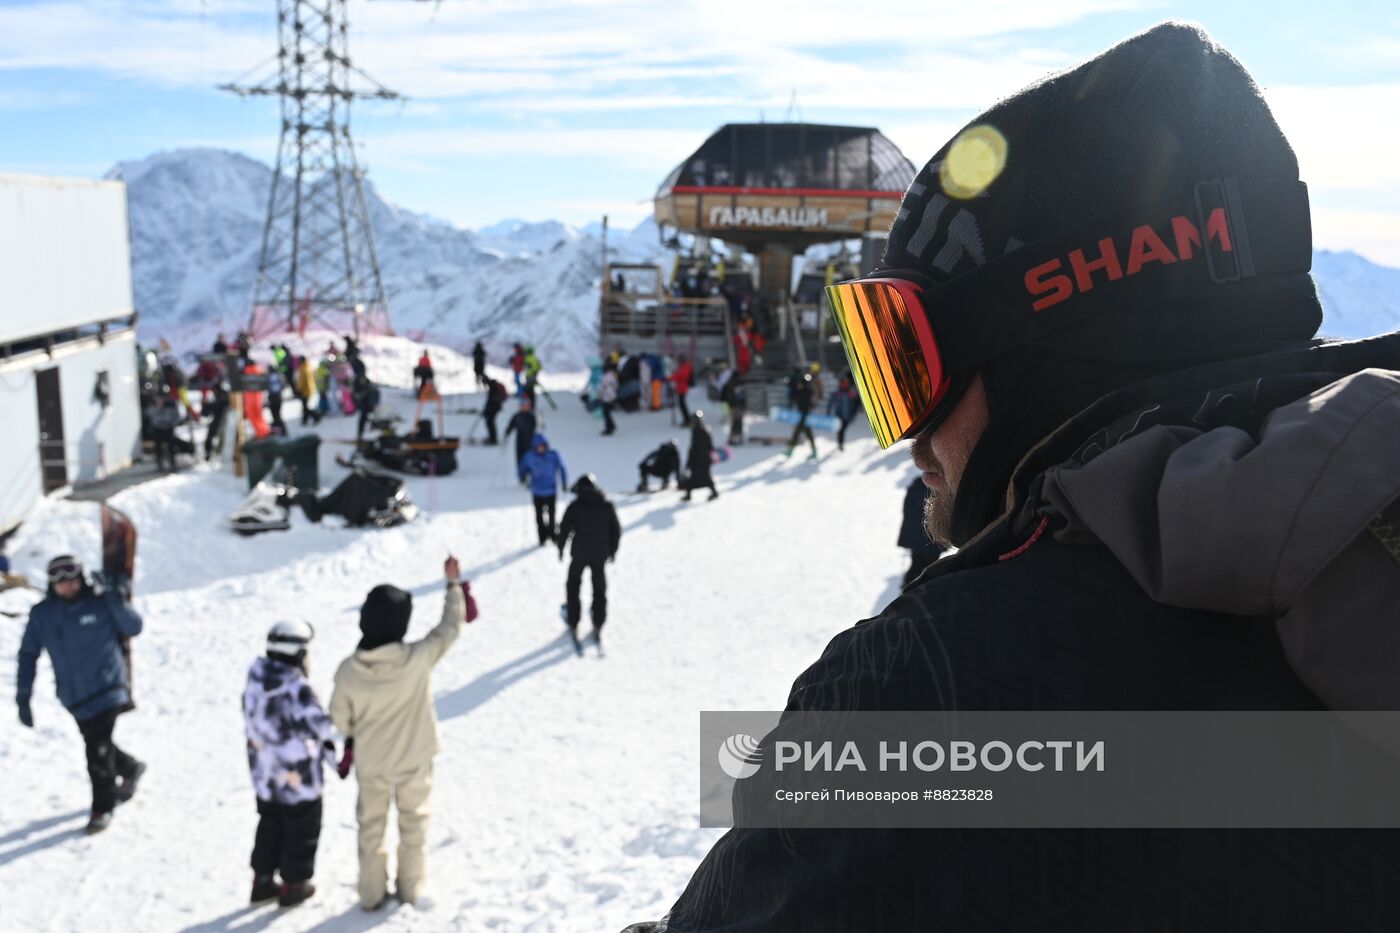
(565, 795)
(196, 227)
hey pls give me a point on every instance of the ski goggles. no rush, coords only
(64, 568)
(913, 343)
(892, 352)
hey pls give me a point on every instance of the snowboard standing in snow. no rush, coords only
(119, 568)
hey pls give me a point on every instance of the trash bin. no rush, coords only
(299, 456)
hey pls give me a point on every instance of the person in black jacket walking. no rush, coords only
(366, 395)
(699, 460)
(496, 395)
(592, 522)
(804, 391)
(522, 424)
(1060, 329)
(479, 364)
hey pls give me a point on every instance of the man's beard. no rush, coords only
(938, 515)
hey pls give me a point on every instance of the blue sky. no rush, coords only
(568, 110)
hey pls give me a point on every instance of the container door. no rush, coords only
(51, 446)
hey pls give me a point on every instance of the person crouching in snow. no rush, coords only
(383, 702)
(289, 737)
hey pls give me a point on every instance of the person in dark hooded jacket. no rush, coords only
(81, 629)
(663, 463)
(479, 364)
(522, 424)
(1088, 324)
(699, 459)
(496, 395)
(591, 521)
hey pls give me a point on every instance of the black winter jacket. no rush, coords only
(699, 459)
(523, 424)
(592, 521)
(1062, 627)
(663, 461)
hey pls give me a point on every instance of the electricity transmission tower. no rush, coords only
(317, 260)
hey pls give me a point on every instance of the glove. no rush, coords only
(347, 760)
(471, 611)
(26, 715)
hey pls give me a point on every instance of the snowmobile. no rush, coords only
(266, 507)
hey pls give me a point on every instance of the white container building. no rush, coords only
(69, 393)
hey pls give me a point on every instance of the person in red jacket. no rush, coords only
(681, 379)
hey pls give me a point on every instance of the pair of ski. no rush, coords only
(573, 633)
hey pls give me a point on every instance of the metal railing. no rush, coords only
(677, 324)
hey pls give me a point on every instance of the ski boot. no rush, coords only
(714, 494)
(127, 790)
(98, 822)
(265, 888)
(643, 487)
(295, 892)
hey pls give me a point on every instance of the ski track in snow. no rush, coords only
(565, 792)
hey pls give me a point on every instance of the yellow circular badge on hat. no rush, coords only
(973, 162)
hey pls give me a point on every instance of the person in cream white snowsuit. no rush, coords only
(383, 703)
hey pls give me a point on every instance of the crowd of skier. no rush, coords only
(380, 711)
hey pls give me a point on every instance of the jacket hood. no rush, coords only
(1294, 518)
(539, 439)
(383, 663)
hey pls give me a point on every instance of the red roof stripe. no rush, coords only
(786, 192)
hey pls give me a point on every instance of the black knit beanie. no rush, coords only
(384, 616)
(1147, 119)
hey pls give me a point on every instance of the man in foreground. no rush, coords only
(81, 629)
(1099, 278)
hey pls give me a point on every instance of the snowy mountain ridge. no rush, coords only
(196, 228)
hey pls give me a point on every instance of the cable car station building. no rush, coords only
(773, 190)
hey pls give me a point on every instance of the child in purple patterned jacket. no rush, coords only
(289, 739)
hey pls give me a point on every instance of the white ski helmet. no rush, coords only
(289, 638)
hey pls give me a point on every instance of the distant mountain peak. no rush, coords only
(196, 226)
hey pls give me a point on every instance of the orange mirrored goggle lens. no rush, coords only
(892, 353)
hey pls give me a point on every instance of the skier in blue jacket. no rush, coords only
(81, 629)
(543, 470)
